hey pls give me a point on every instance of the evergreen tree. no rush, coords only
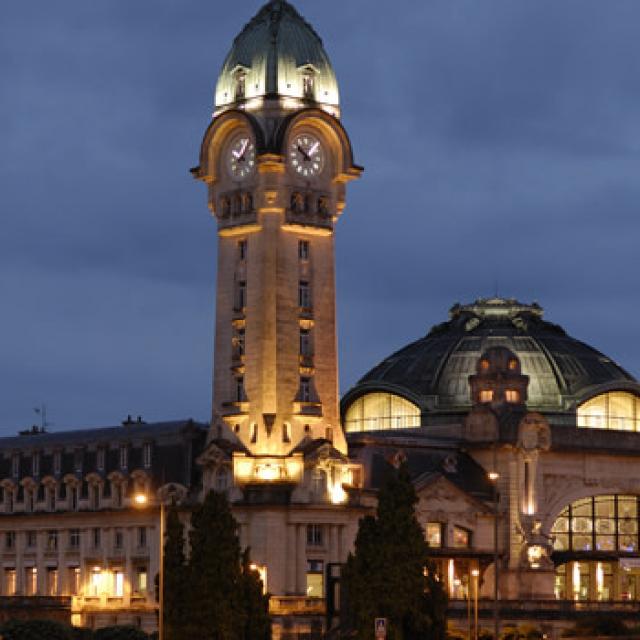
(257, 624)
(216, 610)
(390, 574)
(175, 578)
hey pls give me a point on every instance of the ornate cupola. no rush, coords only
(276, 161)
(498, 382)
(277, 62)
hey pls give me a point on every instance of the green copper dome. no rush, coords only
(277, 54)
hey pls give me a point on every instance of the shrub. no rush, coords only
(120, 633)
(35, 630)
(599, 626)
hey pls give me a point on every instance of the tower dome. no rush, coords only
(278, 54)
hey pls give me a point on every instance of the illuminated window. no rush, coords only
(600, 523)
(484, 365)
(486, 395)
(461, 538)
(31, 581)
(52, 581)
(616, 410)
(74, 581)
(140, 586)
(95, 587)
(10, 582)
(512, 396)
(315, 579)
(513, 365)
(381, 411)
(434, 534)
(118, 583)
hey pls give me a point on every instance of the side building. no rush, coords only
(76, 543)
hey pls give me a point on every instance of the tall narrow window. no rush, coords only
(57, 463)
(142, 537)
(140, 586)
(95, 496)
(254, 433)
(10, 582)
(304, 295)
(52, 540)
(78, 460)
(305, 390)
(124, 456)
(286, 432)
(315, 535)
(74, 539)
(486, 395)
(305, 342)
(242, 249)
(51, 498)
(118, 539)
(146, 455)
(512, 396)
(52, 581)
(303, 250)
(15, 465)
(74, 581)
(31, 581)
(238, 343)
(315, 579)
(35, 464)
(100, 459)
(95, 538)
(240, 396)
(10, 540)
(74, 498)
(241, 295)
(118, 583)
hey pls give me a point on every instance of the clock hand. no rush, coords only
(304, 153)
(245, 144)
(314, 148)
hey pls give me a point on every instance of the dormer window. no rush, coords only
(308, 85)
(241, 83)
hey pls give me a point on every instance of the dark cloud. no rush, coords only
(501, 143)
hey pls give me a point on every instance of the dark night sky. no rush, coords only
(501, 142)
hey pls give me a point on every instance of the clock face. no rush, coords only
(306, 155)
(241, 158)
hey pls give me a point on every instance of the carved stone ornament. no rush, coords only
(481, 424)
(534, 433)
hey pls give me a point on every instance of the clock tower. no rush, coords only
(276, 161)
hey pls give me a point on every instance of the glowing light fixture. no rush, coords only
(268, 472)
(140, 499)
(338, 494)
(493, 476)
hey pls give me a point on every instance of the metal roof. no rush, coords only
(272, 52)
(434, 371)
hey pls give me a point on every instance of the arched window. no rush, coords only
(600, 523)
(617, 410)
(381, 411)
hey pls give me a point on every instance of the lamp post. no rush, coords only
(142, 500)
(494, 476)
(475, 573)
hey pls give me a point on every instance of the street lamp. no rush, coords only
(494, 476)
(142, 500)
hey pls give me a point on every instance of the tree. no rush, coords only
(390, 575)
(216, 610)
(257, 625)
(175, 577)
(34, 630)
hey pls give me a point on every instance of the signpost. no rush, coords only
(381, 628)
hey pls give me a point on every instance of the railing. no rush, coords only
(512, 608)
(296, 605)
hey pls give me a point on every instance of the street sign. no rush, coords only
(381, 628)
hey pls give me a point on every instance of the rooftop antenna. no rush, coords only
(42, 412)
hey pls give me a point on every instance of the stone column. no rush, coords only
(301, 561)
(290, 586)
